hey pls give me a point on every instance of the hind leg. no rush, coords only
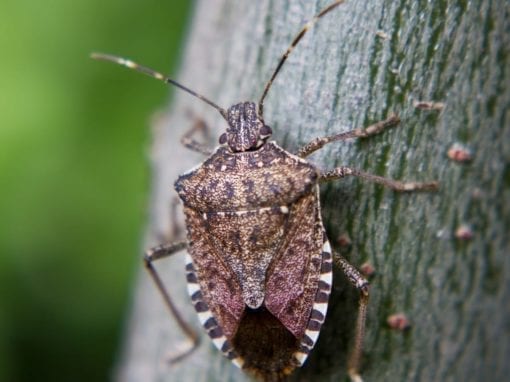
(161, 252)
(356, 279)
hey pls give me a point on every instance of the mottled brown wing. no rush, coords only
(293, 277)
(219, 286)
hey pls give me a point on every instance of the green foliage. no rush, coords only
(73, 138)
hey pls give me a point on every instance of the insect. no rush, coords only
(259, 263)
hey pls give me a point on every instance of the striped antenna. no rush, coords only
(152, 73)
(296, 40)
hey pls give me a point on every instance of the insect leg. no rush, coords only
(365, 132)
(176, 229)
(361, 284)
(160, 252)
(396, 185)
(189, 142)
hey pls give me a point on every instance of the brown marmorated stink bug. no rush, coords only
(259, 268)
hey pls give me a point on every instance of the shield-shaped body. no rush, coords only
(260, 266)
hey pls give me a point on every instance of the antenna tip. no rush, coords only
(95, 55)
(108, 57)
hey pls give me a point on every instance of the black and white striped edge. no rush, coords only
(206, 318)
(320, 306)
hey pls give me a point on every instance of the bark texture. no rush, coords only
(345, 74)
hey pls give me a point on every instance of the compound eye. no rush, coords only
(223, 138)
(266, 130)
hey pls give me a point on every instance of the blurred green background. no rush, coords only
(74, 176)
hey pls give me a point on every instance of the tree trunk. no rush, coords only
(361, 62)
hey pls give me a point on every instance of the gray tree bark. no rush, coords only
(345, 74)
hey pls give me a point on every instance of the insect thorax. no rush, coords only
(268, 177)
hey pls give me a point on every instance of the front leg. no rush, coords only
(366, 132)
(188, 140)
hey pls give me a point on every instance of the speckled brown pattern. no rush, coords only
(252, 216)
